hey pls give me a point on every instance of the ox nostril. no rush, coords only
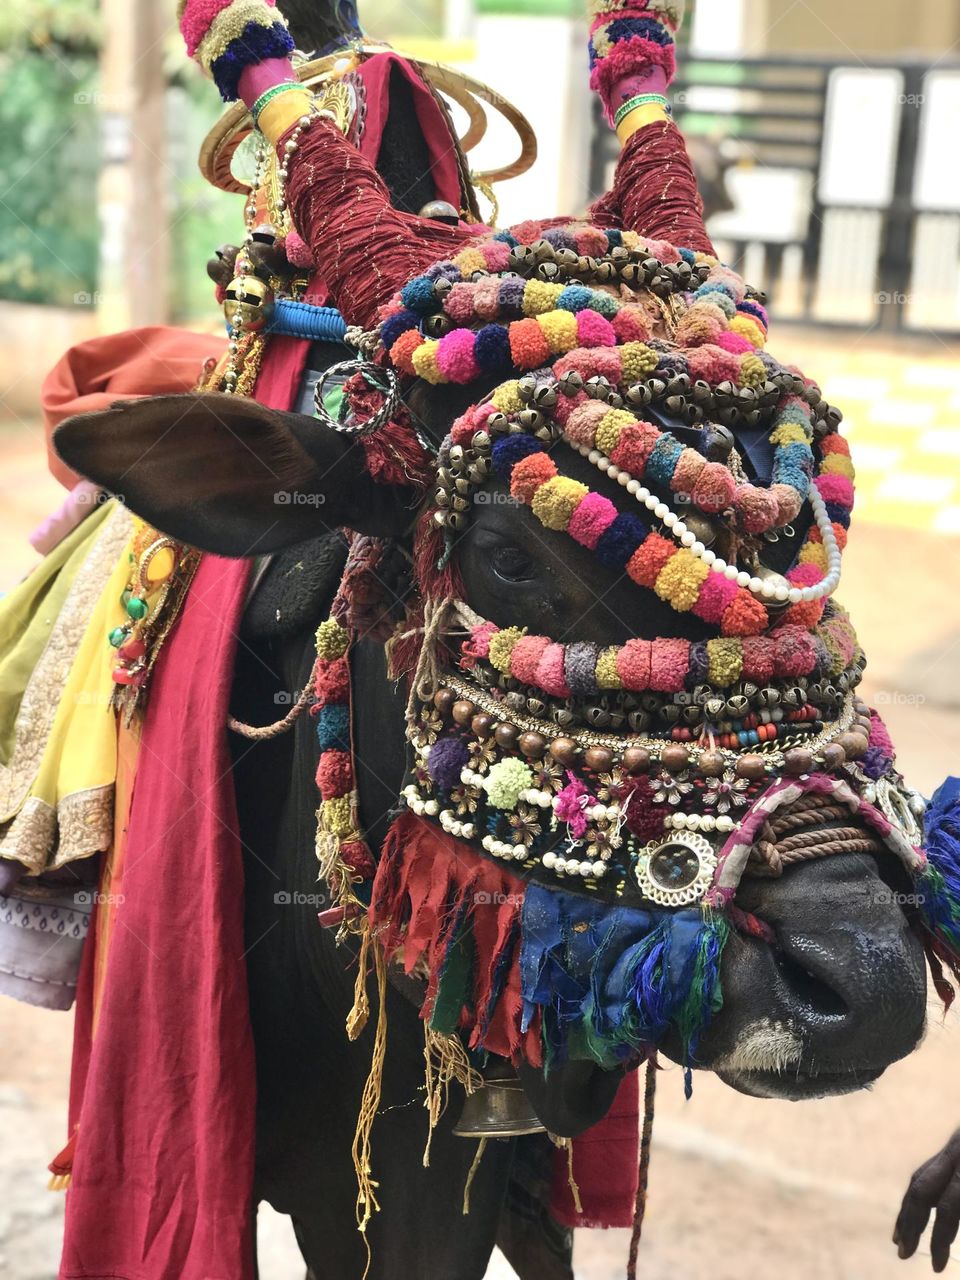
(818, 998)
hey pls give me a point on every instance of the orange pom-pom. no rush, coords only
(529, 474)
(401, 353)
(528, 346)
(744, 616)
(649, 558)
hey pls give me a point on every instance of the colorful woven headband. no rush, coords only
(226, 36)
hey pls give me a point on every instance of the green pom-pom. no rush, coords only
(505, 781)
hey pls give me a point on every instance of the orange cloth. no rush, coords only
(138, 362)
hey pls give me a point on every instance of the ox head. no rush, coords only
(644, 806)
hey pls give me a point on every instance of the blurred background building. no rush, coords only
(826, 137)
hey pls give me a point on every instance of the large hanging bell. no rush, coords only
(499, 1108)
(248, 304)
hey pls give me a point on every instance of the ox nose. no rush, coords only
(844, 981)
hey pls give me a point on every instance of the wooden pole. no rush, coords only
(134, 181)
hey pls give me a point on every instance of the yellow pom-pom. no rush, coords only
(607, 674)
(637, 361)
(502, 645)
(555, 502)
(678, 582)
(838, 464)
(470, 260)
(753, 372)
(724, 662)
(425, 362)
(814, 553)
(506, 398)
(560, 330)
(789, 433)
(631, 240)
(609, 428)
(748, 329)
(538, 297)
(336, 815)
(332, 640)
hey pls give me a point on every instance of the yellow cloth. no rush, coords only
(57, 782)
(649, 113)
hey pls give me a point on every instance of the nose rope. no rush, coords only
(798, 834)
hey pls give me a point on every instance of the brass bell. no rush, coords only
(248, 304)
(499, 1108)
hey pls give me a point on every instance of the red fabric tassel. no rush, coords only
(604, 1167)
(655, 190)
(424, 880)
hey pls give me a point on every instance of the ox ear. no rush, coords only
(227, 475)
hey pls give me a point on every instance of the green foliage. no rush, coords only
(48, 177)
(53, 27)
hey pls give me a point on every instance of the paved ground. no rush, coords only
(738, 1186)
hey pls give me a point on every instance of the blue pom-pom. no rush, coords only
(838, 514)
(620, 540)
(575, 297)
(506, 238)
(255, 44)
(418, 295)
(492, 349)
(663, 459)
(688, 256)
(614, 237)
(508, 451)
(397, 324)
(333, 728)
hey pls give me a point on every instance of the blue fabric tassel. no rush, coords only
(940, 884)
(609, 980)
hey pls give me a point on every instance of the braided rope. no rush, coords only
(264, 733)
(643, 1177)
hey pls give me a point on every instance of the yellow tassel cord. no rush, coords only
(481, 1148)
(367, 1204)
(566, 1144)
(486, 189)
(445, 1059)
(59, 1182)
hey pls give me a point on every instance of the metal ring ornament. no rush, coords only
(220, 144)
(691, 876)
(376, 375)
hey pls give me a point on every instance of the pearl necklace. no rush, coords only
(777, 592)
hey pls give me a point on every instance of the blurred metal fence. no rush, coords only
(844, 181)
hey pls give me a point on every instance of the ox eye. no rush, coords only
(511, 563)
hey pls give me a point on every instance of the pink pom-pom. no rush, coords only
(835, 488)
(633, 665)
(581, 426)
(297, 251)
(669, 660)
(594, 330)
(456, 357)
(526, 657)
(458, 304)
(593, 515)
(716, 592)
(759, 657)
(550, 675)
(734, 342)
